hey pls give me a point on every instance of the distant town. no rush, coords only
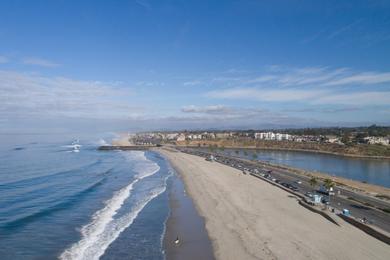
(341, 136)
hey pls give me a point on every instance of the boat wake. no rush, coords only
(104, 228)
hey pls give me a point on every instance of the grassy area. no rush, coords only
(364, 203)
(382, 196)
(387, 210)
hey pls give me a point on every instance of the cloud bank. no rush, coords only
(32, 95)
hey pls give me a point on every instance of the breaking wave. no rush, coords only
(104, 228)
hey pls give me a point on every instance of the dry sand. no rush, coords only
(247, 218)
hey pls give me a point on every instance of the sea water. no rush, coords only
(60, 202)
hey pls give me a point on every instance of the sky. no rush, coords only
(166, 65)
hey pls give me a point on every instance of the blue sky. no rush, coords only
(194, 64)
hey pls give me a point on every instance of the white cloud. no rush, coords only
(25, 95)
(192, 83)
(358, 98)
(310, 86)
(150, 84)
(265, 95)
(316, 96)
(343, 29)
(215, 109)
(234, 116)
(366, 78)
(39, 62)
(279, 76)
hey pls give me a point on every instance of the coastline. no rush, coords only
(184, 222)
(248, 219)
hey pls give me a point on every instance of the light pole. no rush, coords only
(330, 194)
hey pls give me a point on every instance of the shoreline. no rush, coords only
(248, 219)
(184, 222)
(297, 150)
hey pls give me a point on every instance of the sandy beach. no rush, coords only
(185, 223)
(247, 218)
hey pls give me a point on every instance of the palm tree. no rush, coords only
(313, 182)
(328, 183)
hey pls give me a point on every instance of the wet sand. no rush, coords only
(247, 218)
(184, 222)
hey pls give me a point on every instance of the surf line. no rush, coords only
(104, 229)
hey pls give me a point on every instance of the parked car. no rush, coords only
(298, 182)
(325, 201)
(309, 194)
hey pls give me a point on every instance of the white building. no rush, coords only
(377, 140)
(171, 136)
(181, 138)
(222, 135)
(273, 136)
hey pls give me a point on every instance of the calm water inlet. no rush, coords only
(372, 171)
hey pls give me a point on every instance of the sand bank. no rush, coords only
(247, 218)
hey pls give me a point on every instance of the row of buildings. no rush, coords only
(267, 136)
(377, 140)
(273, 136)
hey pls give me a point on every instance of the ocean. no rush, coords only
(58, 201)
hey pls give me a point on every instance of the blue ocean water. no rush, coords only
(61, 202)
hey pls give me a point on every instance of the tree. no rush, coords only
(313, 182)
(328, 183)
(345, 139)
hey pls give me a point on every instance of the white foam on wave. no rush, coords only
(73, 146)
(104, 229)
